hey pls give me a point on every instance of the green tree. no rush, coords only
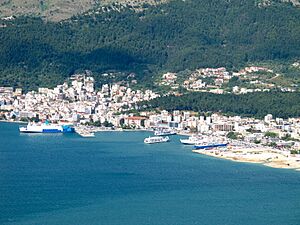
(271, 134)
(232, 135)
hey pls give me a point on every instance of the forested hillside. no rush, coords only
(168, 37)
(257, 105)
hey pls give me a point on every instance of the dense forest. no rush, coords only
(169, 37)
(257, 105)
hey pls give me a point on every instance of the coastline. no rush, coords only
(89, 131)
(261, 155)
(9, 121)
(264, 156)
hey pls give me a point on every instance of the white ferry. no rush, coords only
(46, 128)
(164, 132)
(153, 140)
(190, 141)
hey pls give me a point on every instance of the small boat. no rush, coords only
(87, 135)
(153, 140)
(164, 132)
(190, 141)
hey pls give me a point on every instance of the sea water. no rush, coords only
(115, 178)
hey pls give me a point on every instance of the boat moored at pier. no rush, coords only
(193, 140)
(209, 145)
(164, 132)
(46, 128)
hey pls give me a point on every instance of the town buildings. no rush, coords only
(78, 102)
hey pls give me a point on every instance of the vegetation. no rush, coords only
(271, 134)
(25, 119)
(2, 117)
(272, 144)
(251, 130)
(232, 135)
(169, 37)
(127, 127)
(107, 124)
(288, 137)
(94, 123)
(258, 105)
(286, 73)
(257, 141)
(295, 151)
(99, 124)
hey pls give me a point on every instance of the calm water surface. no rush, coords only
(116, 179)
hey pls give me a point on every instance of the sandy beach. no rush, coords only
(263, 155)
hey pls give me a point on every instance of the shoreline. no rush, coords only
(98, 129)
(260, 155)
(266, 157)
(8, 121)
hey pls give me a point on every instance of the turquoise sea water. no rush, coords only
(116, 179)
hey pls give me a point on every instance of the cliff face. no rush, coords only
(57, 10)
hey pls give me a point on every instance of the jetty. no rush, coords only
(84, 132)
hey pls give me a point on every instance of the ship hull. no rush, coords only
(168, 134)
(155, 140)
(187, 142)
(164, 133)
(210, 146)
(47, 129)
(30, 132)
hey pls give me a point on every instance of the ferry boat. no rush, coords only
(190, 141)
(209, 145)
(164, 132)
(46, 128)
(153, 140)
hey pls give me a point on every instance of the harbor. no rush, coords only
(77, 106)
(242, 151)
(216, 146)
(87, 180)
(212, 145)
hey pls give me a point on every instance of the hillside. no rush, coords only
(57, 10)
(168, 37)
(266, 3)
(257, 105)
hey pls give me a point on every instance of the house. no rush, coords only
(136, 121)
